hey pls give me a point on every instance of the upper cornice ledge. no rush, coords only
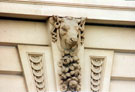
(122, 5)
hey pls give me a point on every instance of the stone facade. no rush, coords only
(67, 46)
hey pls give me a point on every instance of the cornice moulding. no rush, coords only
(19, 9)
(79, 4)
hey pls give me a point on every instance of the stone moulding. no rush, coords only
(67, 37)
(96, 73)
(37, 68)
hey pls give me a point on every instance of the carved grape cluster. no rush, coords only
(70, 72)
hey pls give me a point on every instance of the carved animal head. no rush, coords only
(69, 30)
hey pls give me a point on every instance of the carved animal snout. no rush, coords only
(73, 40)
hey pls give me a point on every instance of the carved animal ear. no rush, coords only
(81, 23)
(55, 20)
(51, 20)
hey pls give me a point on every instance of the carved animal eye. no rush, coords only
(79, 23)
(64, 29)
(78, 36)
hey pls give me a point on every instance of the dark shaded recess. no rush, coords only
(44, 20)
(110, 25)
(23, 19)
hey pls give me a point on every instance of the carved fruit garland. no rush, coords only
(70, 76)
(37, 69)
(96, 70)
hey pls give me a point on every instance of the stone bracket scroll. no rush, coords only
(67, 41)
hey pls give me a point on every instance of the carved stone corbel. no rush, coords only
(67, 38)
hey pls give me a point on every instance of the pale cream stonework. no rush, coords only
(29, 58)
